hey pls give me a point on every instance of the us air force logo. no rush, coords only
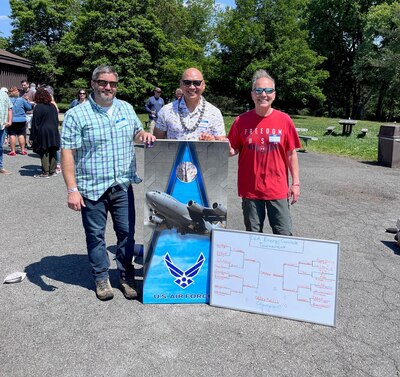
(184, 278)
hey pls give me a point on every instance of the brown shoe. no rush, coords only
(4, 171)
(104, 290)
(128, 286)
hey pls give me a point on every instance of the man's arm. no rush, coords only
(75, 200)
(294, 190)
(147, 106)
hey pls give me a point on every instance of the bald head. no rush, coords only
(192, 85)
(192, 72)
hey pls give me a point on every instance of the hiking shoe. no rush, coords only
(104, 290)
(128, 286)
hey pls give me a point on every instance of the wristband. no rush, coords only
(72, 189)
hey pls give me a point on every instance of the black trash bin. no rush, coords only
(389, 145)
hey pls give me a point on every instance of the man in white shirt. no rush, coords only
(190, 117)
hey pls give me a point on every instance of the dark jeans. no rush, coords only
(121, 206)
(49, 161)
(254, 213)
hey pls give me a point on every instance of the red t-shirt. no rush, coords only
(263, 143)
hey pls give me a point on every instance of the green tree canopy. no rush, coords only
(269, 34)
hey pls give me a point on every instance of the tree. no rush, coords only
(38, 27)
(377, 65)
(123, 33)
(269, 34)
(336, 32)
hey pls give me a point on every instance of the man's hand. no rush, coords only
(145, 137)
(75, 201)
(294, 193)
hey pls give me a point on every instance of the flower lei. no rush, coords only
(194, 127)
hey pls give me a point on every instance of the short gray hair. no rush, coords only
(260, 74)
(103, 69)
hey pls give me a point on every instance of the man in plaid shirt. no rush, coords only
(99, 165)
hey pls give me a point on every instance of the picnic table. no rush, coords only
(304, 138)
(347, 125)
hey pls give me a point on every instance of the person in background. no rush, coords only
(45, 137)
(28, 95)
(266, 140)
(190, 117)
(178, 93)
(5, 121)
(33, 87)
(99, 166)
(153, 106)
(5, 136)
(18, 126)
(81, 97)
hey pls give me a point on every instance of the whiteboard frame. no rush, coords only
(219, 300)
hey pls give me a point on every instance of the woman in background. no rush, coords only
(44, 137)
(81, 98)
(18, 126)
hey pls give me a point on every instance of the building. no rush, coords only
(13, 69)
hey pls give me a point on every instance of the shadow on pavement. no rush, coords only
(393, 246)
(30, 170)
(71, 269)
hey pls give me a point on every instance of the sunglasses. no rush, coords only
(158, 91)
(259, 91)
(82, 93)
(113, 84)
(192, 82)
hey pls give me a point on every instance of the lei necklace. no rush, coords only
(191, 129)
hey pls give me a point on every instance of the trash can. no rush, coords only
(389, 145)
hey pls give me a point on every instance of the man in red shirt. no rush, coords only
(266, 140)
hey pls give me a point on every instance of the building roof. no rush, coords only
(14, 60)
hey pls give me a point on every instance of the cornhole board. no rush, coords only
(185, 187)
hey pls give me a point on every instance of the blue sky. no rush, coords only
(5, 22)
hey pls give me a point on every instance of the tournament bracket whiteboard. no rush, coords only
(288, 277)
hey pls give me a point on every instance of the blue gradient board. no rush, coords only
(185, 187)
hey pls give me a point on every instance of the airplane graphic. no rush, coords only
(184, 278)
(186, 218)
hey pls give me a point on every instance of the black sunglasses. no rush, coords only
(104, 83)
(82, 93)
(192, 82)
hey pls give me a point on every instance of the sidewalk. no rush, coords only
(53, 325)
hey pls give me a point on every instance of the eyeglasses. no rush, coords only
(192, 82)
(259, 91)
(82, 93)
(158, 91)
(104, 83)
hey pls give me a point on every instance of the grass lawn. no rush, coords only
(354, 146)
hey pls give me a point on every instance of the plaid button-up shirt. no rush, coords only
(103, 144)
(5, 105)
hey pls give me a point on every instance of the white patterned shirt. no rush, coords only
(211, 122)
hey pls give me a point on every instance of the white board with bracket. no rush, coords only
(289, 277)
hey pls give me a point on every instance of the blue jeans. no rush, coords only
(2, 135)
(121, 206)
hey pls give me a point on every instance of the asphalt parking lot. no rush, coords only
(53, 325)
